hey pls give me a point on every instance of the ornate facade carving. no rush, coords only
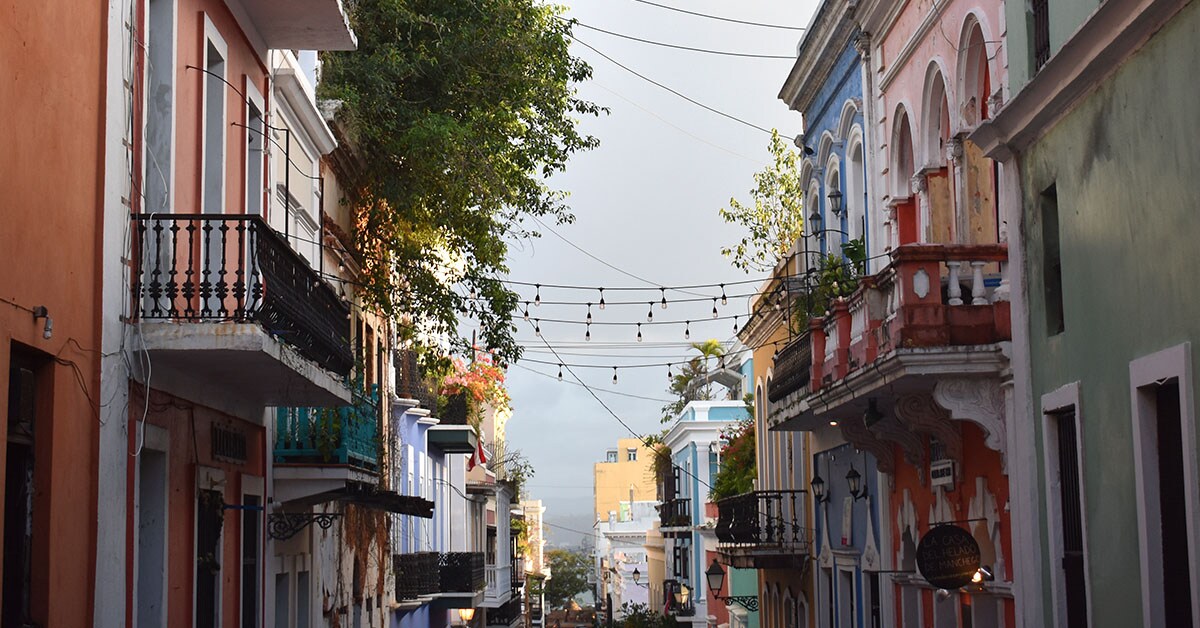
(890, 429)
(855, 431)
(923, 415)
(978, 400)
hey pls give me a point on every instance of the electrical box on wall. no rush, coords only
(941, 473)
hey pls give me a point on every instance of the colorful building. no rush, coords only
(626, 475)
(1094, 144)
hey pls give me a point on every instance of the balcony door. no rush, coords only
(212, 196)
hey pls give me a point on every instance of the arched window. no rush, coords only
(975, 81)
(833, 223)
(903, 162)
(856, 188)
(937, 119)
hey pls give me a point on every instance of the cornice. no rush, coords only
(932, 19)
(818, 53)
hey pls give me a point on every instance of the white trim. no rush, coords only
(213, 36)
(1066, 397)
(1172, 363)
(255, 97)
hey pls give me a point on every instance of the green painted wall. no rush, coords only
(745, 582)
(1129, 211)
(1065, 18)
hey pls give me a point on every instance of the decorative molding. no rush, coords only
(855, 431)
(978, 400)
(922, 414)
(284, 525)
(891, 429)
(918, 183)
(870, 555)
(921, 283)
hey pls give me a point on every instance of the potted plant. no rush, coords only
(469, 386)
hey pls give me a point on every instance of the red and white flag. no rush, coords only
(479, 456)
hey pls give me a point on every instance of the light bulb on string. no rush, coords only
(669, 371)
(602, 298)
(724, 299)
(639, 336)
(664, 297)
(650, 312)
(560, 372)
(473, 293)
(537, 327)
(537, 295)
(588, 334)
(735, 325)
(614, 374)
(341, 267)
(687, 330)
(715, 307)
(525, 314)
(589, 316)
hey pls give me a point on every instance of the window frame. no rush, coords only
(1066, 397)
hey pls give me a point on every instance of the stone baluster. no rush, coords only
(955, 290)
(978, 290)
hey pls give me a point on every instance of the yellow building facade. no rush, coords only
(626, 474)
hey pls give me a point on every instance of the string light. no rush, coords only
(614, 374)
(537, 327)
(687, 330)
(735, 325)
(669, 371)
(602, 298)
(589, 316)
(664, 298)
(525, 314)
(715, 307)
(639, 332)
(650, 312)
(560, 372)
(474, 294)
(724, 299)
(537, 296)
(588, 334)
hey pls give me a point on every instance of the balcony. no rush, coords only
(793, 372)
(686, 607)
(230, 316)
(675, 517)
(763, 530)
(299, 24)
(935, 311)
(498, 585)
(416, 576)
(410, 380)
(508, 614)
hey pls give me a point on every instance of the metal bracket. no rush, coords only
(284, 525)
(748, 602)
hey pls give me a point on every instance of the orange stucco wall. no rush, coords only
(51, 124)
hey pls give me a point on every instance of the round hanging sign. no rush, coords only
(948, 557)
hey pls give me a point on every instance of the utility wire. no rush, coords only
(717, 17)
(660, 85)
(726, 53)
(607, 392)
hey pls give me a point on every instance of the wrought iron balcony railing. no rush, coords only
(793, 368)
(675, 513)
(461, 572)
(761, 528)
(347, 435)
(235, 268)
(416, 574)
(506, 614)
(410, 380)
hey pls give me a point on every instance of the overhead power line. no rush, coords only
(727, 53)
(660, 85)
(717, 17)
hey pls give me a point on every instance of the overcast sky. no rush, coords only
(645, 201)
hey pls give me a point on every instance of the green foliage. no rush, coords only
(683, 385)
(458, 112)
(639, 615)
(775, 217)
(835, 276)
(568, 577)
(738, 462)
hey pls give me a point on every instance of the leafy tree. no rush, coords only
(458, 112)
(684, 385)
(639, 615)
(568, 577)
(775, 216)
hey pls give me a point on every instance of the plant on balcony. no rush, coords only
(692, 383)
(474, 384)
(738, 470)
(775, 216)
(460, 111)
(834, 277)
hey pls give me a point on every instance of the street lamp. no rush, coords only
(818, 489)
(466, 614)
(835, 199)
(682, 594)
(715, 574)
(637, 579)
(854, 479)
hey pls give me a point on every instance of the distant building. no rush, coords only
(622, 573)
(625, 475)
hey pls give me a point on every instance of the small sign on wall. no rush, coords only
(941, 473)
